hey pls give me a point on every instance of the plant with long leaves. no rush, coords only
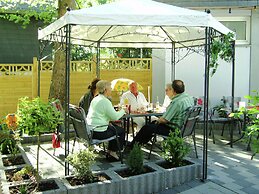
(221, 47)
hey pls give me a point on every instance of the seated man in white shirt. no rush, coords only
(167, 100)
(137, 101)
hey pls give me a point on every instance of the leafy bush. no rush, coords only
(25, 171)
(221, 47)
(252, 120)
(82, 163)
(175, 148)
(7, 146)
(8, 140)
(221, 110)
(135, 160)
(35, 116)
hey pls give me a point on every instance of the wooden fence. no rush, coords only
(19, 80)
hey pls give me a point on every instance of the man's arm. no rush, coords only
(161, 120)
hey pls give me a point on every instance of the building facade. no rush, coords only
(241, 17)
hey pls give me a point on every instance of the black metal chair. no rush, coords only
(219, 115)
(84, 132)
(188, 128)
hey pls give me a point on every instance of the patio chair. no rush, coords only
(219, 115)
(188, 128)
(84, 132)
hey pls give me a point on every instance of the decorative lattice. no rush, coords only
(81, 66)
(15, 69)
(118, 63)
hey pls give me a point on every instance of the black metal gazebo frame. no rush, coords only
(65, 35)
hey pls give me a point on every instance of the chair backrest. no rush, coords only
(191, 118)
(78, 118)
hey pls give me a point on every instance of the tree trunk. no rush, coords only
(57, 86)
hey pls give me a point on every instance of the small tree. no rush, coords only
(175, 149)
(36, 117)
(82, 163)
(135, 160)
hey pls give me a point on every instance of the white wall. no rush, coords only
(254, 79)
(191, 71)
(191, 68)
(162, 73)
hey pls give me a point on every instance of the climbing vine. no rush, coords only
(221, 47)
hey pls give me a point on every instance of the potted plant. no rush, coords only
(20, 174)
(135, 163)
(84, 180)
(251, 123)
(36, 117)
(136, 177)
(177, 169)
(221, 47)
(9, 145)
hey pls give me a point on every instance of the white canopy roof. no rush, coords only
(134, 23)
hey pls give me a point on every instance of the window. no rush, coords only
(240, 25)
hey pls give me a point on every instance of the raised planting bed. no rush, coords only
(178, 175)
(13, 161)
(50, 186)
(12, 175)
(150, 181)
(103, 182)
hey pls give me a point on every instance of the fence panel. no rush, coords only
(19, 80)
(15, 82)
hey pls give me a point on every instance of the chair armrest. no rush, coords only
(93, 128)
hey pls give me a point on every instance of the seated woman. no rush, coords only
(86, 99)
(101, 112)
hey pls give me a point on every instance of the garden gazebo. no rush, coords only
(136, 24)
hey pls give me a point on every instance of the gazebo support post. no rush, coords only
(233, 90)
(98, 60)
(67, 85)
(206, 100)
(173, 61)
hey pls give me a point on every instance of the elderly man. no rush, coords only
(173, 117)
(137, 101)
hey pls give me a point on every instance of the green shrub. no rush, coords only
(7, 146)
(135, 160)
(222, 112)
(26, 170)
(82, 163)
(252, 121)
(36, 116)
(175, 148)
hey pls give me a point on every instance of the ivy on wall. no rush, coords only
(221, 47)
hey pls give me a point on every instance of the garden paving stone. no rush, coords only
(250, 190)
(243, 183)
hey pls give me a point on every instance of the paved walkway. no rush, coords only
(230, 170)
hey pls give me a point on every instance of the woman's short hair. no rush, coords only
(169, 85)
(102, 85)
(178, 86)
